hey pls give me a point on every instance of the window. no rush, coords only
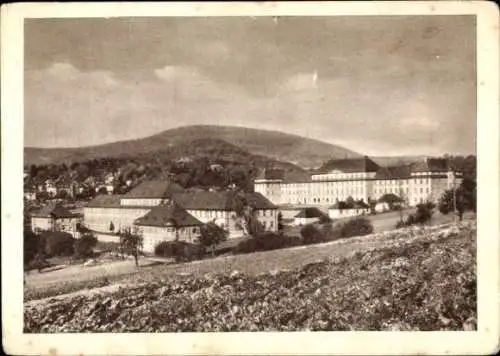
(195, 229)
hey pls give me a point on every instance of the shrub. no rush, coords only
(31, 246)
(331, 232)
(179, 250)
(57, 243)
(324, 219)
(266, 242)
(311, 235)
(356, 227)
(84, 246)
(424, 212)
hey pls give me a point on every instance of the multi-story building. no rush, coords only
(163, 210)
(360, 179)
(55, 217)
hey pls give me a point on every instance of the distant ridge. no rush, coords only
(304, 152)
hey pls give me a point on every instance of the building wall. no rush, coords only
(99, 219)
(304, 221)
(39, 223)
(343, 213)
(153, 235)
(140, 202)
(227, 219)
(51, 224)
(325, 189)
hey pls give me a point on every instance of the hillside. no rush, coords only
(301, 151)
(409, 279)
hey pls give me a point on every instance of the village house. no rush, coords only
(339, 210)
(360, 179)
(54, 217)
(308, 216)
(155, 203)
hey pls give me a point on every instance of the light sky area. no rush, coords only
(393, 85)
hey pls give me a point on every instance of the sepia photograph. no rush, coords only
(264, 172)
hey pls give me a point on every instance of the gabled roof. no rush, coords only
(395, 172)
(168, 215)
(54, 210)
(107, 201)
(430, 165)
(310, 213)
(272, 174)
(351, 165)
(219, 200)
(155, 189)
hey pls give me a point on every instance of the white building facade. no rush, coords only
(360, 179)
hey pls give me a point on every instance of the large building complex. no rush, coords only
(360, 179)
(162, 210)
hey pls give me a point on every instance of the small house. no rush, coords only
(342, 210)
(388, 202)
(309, 216)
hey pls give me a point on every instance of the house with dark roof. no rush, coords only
(341, 209)
(55, 217)
(309, 216)
(168, 222)
(163, 202)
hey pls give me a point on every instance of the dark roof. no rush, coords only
(310, 213)
(390, 198)
(54, 210)
(351, 165)
(272, 174)
(430, 165)
(105, 201)
(154, 189)
(219, 200)
(166, 215)
(396, 172)
(258, 201)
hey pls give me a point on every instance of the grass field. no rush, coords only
(409, 279)
(75, 278)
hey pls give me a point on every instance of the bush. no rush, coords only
(331, 232)
(311, 235)
(356, 227)
(31, 246)
(57, 243)
(266, 242)
(179, 250)
(424, 212)
(84, 246)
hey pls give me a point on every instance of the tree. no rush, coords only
(280, 222)
(463, 198)
(424, 213)
(211, 235)
(350, 202)
(131, 242)
(311, 234)
(31, 246)
(84, 246)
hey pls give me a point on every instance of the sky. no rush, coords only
(378, 85)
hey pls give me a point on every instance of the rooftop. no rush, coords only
(350, 165)
(223, 200)
(168, 215)
(54, 210)
(154, 189)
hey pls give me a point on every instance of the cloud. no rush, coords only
(66, 72)
(381, 87)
